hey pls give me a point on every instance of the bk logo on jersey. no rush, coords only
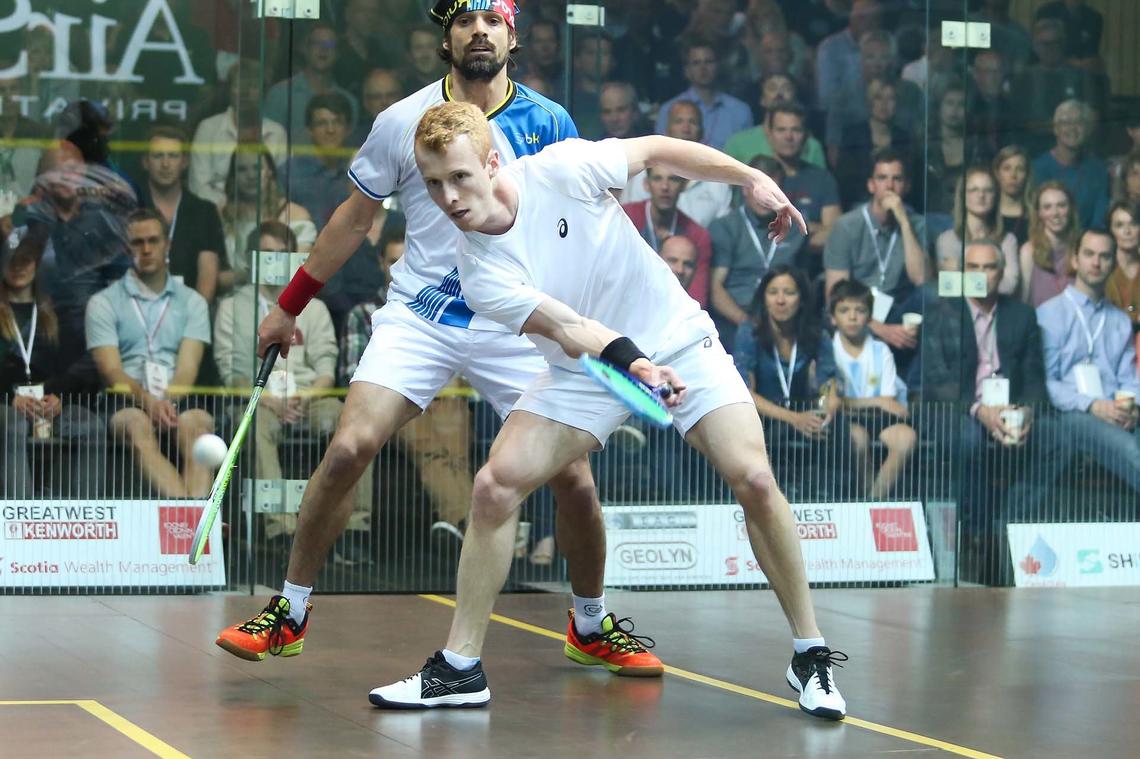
(533, 138)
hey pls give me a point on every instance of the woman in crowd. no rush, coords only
(852, 159)
(790, 367)
(976, 217)
(253, 196)
(1011, 167)
(34, 375)
(1123, 288)
(1128, 183)
(1053, 235)
(946, 151)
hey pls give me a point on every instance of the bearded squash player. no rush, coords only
(425, 335)
(548, 252)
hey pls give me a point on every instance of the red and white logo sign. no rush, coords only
(893, 530)
(176, 525)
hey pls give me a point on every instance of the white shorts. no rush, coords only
(573, 399)
(417, 358)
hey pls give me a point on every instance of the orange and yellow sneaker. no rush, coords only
(616, 648)
(271, 632)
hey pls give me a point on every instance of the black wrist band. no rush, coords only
(621, 353)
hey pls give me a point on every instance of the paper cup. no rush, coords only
(1125, 399)
(912, 320)
(1014, 421)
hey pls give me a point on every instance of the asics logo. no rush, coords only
(562, 228)
(434, 687)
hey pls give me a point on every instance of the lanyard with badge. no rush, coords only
(765, 257)
(28, 390)
(883, 302)
(1085, 374)
(786, 379)
(651, 230)
(157, 375)
(995, 388)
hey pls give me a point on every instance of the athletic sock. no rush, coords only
(461, 663)
(589, 613)
(298, 597)
(803, 644)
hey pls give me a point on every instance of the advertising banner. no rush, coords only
(117, 544)
(707, 544)
(1082, 554)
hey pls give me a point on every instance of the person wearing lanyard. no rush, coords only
(775, 353)
(147, 333)
(1090, 363)
(865, 245)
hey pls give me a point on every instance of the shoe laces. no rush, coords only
(271, 619)
(822, 660)
(622, 638)
(432, 661)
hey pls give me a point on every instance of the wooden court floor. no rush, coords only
(933, 672)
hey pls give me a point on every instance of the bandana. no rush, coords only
(445, 11)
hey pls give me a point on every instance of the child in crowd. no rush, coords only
(871, 389)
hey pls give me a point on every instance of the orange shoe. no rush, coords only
(271, 632)
(616, 648)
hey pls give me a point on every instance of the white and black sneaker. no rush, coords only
(438, 684)
(809, 674)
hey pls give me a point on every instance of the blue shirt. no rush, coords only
(752, 358)
(724, 118)
(1087, 180)
(113, 321)
(1065, 344)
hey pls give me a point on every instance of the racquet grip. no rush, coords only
(267, 365)
(664, 390)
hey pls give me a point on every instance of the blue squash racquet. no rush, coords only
(638, 397)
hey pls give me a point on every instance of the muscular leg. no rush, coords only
(372, 414)
(580, 528)
(528, 451)
(732, 439)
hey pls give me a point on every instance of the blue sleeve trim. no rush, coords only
(360, 185)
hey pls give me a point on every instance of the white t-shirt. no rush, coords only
(870, 375)
(425, 278)
(572, 241)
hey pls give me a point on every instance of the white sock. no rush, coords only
(803, 644)
(589, 613)
(459, 662)
(298, 597)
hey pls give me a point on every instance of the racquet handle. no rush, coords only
(664, 390)
(267, 365)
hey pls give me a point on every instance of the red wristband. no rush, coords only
(299, 292)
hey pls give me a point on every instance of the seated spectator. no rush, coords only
(381, 89)
(747, 144)
(319, 182)
(987, 355)
(1084, 26)
(645, 35)
(217, 136)
(780, 352)
(358, 327)
(878, 60)
(293, 399)
(659, 218)
(543, 55)
(700, 201)
(362, 47)
(721, 114)
(946, 152)
(148, 332)
(772, 48)
(976, 218)
(1007, 37)
(864, 246)
(987, 103)
(860, 141)
(870, 389)
(743, 254)
(1070, 162)
(360, 278)
(593, 62)
(938, 66)
(34, 375)
(1089, 356)
(838, 59)
(18, 148)
(1128, 184)
(1042, 86)
(287, 102)
(681, 254)
(422, 65)
(1053, 234)
(253, 190)
(1011, 169)
(813, 191)
(620, 115)
(1123, 287)
(1129, 158)
(197, 243)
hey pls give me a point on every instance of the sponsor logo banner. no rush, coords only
(706, 544)
(1081, 554)
(106, 544)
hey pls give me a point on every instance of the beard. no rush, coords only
(479, 69)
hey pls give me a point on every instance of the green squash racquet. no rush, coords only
(638, 397)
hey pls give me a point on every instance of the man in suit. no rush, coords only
(986, 354)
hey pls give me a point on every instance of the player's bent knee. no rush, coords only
(756, 491)
(352, 448)
(492, 500)
(574, 487)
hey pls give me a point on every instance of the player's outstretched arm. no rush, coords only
(693, 160)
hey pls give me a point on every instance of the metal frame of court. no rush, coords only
(955, 672)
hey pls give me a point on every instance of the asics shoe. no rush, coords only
(272, 631)
(809, 674)
(616, 648)
(438, 684)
